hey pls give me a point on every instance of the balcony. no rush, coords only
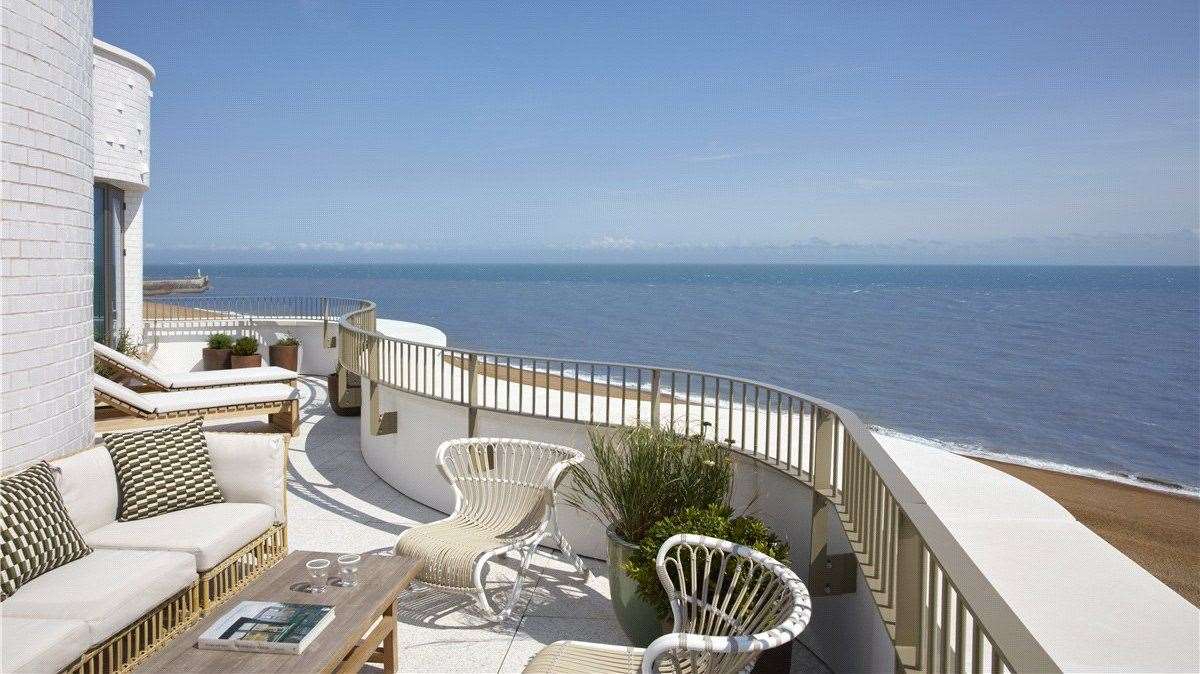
(917, 560)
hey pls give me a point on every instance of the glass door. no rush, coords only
(108, 213)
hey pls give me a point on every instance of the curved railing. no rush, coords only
(939, 608)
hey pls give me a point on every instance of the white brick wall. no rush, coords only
(46, 255)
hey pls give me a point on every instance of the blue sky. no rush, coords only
(997, 132)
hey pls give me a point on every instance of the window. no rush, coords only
(108, 214)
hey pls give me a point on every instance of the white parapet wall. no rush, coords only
(46, 268)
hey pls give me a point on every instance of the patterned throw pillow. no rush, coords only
(38, 534)
(162, 470)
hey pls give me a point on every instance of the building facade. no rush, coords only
(121, 86)
(63, 278)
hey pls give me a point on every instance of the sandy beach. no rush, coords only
(1160, 531)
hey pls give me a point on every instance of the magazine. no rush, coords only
(267, 627)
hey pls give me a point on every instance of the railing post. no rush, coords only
(472, 394)
(655, 387)
(822, 459)
(908, 597)
(827, 574)
(372, 358)
(325, 322)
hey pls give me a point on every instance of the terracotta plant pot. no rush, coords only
(216, 359)
(287, 357)
(246, 361)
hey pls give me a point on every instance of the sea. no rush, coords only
(1091, 370)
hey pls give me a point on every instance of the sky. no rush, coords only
(1048, 132)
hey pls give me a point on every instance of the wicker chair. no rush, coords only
(730, 603)
(503, 502)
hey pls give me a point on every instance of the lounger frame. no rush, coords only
(284, 415)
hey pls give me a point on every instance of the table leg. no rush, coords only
(389, 642)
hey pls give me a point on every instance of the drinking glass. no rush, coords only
(318, 569)
(348, 568)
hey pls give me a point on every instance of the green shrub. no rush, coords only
(644, 474)
(121, 342)
(287, 340)
(716, 521)
(220, 340)
(245, 346)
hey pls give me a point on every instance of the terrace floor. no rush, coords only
(337, 504)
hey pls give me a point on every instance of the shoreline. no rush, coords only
(1156, 528)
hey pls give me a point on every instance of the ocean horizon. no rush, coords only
(1086, 369)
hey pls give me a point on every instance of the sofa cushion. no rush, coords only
(162, 470)
(88, 485)
(36, 646)
(250, 467)
(209, 533)
(107, 590)
(36, 533)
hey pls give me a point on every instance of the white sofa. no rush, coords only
(136, 566)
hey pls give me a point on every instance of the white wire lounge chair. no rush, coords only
(128, 408)
(158, 380)
(503, 502)
(730, 603)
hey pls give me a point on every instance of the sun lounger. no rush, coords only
(280, 402)
(176, 381)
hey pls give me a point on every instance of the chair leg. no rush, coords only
(567, 552)
(477, 579)
(526, 557)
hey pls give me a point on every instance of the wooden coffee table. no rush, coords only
(363, 619)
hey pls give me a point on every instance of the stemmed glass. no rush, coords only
(318, 569)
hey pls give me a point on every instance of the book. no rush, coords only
(267, 627)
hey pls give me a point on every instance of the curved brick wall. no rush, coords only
(46, 267)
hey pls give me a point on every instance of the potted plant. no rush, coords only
(639, 476)
(216, 356)
(718, 521)
(245, 353)
(285, 352)
(120, 342)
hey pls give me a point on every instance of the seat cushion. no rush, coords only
(36, 646)
(208, 398)
(107, 590)
(36, 533)
(564, 657)
(244, 375)
(208, 533)
(162, 470)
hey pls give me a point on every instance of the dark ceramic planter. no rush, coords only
(287, 357)
(245, 361)
(636, 617)
(216, 359)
